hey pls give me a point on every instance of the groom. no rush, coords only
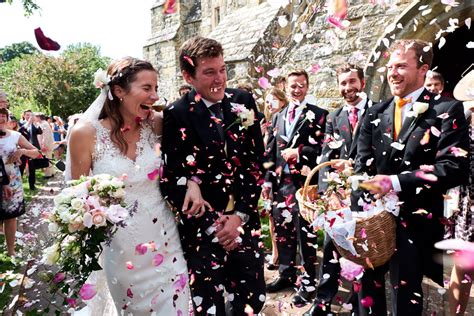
(211, 141)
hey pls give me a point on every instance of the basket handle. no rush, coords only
(316, 169)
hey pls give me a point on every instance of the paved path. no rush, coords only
(35, 236)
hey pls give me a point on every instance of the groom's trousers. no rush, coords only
(217, 276)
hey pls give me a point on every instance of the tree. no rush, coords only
(28, 6)
(16, 50)
(57, 85)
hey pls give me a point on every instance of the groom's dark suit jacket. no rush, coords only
(192, 147)
(420, 145)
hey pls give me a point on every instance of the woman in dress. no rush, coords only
(119, 135)
(12, 146)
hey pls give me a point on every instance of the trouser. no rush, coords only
(293, 232)
(214, 271)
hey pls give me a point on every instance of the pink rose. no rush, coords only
(99, 219)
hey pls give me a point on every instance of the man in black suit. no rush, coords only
(413, 144)
(295, 144)
(211, 139)
(30, 130)
(342, 133)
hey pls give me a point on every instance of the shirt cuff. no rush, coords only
(396, 183)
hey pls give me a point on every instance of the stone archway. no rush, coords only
(416, 22)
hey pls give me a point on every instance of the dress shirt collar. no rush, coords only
(414, 95)
(209, 103)
(360, 105)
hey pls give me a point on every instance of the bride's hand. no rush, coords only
(193, 196)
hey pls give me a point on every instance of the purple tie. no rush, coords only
(291, 113)
(353, 117)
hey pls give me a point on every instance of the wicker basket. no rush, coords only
(373, 251)
(308, 209)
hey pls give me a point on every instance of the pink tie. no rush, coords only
(353, 117)
(291, 113)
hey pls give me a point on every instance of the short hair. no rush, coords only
(26, 111)
(423, 50)
(195, 48)
(435, 75)
(5, 112)
(245, 86)
(348, 68)
(299, 72)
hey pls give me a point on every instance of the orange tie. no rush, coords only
(397, 121)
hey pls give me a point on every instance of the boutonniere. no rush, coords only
(419, 108)
(245, 117)
(310, 116)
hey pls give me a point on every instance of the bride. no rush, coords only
(144, 267)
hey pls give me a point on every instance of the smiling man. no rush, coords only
(411, 143)
(211, 139)
(294, 144)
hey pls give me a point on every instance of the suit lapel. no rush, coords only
(343, 126)
(202, 122)
(411, 122)
(386, 124)
(281, 128)
(355, 134)
(299, 123)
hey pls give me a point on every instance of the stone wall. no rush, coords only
(307, 41)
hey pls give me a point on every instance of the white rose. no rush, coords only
(87, 220)
(77, 204)
(420, 108)
(119, 193)
(53, 227)
(116, 213)
(51, 255)
(99, 219)
(101, 79)
(248, 118)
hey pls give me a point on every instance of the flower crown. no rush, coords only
(101, 81)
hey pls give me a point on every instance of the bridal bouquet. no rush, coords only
(85, 215)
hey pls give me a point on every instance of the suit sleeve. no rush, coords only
(309, 153)
(176, 147)
(451, 167)
(364, 147)
(327, 153)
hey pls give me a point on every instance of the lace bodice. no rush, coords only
(141, 173)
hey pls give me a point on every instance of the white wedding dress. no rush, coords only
(144, 267)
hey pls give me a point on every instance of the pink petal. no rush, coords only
(59, 277)
(158, 260)
(367, 302)
(152, 176)
(87, 291)
(129, 293)
(436, 132)
(426, 176)
(129, 265)
(141, 249)
(263, 83)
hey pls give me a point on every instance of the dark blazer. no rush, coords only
(338, 123)
(375, 142)
(4, 180)
(31, 134)
(307, 136)
(192, 146)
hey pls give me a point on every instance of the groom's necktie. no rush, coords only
(397, 118)
(216, 110)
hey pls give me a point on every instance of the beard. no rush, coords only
(351, 95)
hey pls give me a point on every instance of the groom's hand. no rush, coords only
(193, 196)
(229, 230)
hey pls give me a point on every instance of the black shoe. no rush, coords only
(279, 284)
(319, 308)
(303, 297)
(272, 266)
(33, 188)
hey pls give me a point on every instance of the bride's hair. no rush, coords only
(122, 73)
